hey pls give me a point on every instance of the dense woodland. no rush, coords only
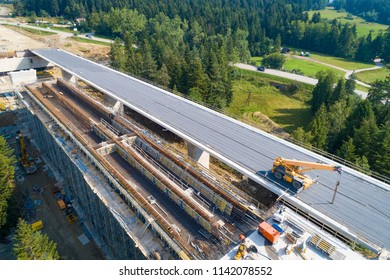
(344, 124)
(188, 46)
(370, 10)
(261, 20)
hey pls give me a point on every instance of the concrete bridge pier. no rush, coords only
(200, 156)
(118, 108)
(69, 77)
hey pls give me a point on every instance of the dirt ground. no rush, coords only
(38, 202)
(42, 205)
(13, 38)
(16, 41)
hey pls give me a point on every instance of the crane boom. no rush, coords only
(24, 158)
(309, 165)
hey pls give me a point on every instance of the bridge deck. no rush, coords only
(361, 205)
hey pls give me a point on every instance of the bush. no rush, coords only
(297, 71)
(274, 60)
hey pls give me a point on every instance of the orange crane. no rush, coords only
(24, 158)
(292, 171)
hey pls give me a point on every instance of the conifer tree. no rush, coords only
(162, 76)
(323, 90)
(338, 93)
(347, 151)
(7, 173)
(33, 245)
(118, 55)
(302, 136)
(319, 128)
(381, 153)
(365, 138)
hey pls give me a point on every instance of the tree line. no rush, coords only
(7, 173)
(29, 244)
(263, 21)
(355, 129)
(370, 10)
(334, 38)
(174, 53)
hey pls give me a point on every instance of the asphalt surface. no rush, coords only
(361, 205)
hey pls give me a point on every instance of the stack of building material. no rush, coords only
(27, 76)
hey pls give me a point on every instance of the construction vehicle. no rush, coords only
(240, 252)
(292, 171)
(27, 162)
(71, 218)
(38, 225)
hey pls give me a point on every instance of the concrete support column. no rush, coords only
(118, 108)
(198, 155)
(69, 77)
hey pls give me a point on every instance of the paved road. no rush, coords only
(362, 203)
(347, 72)
(291, 76)
(62, 34)
(279, 73)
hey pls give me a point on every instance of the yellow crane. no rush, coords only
(292, 171)
(28, 165)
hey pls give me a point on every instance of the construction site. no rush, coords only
(125, 190)
(137, 198)
(112, 167)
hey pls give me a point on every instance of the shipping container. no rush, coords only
(269, 232)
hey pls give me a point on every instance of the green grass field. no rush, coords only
(345, 63)
(309, 68)
(362, 88)
(64, 29)
(363, 28)
(256, 60)
(85, 40)
(46, 19)
(270, 78)
(30, 30)
(104, 37)
(288, 110)
(370, 76)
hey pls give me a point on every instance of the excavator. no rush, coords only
(292, 171)
(28, 163)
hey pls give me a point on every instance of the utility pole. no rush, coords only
(336, 188)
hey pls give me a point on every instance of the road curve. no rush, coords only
(291, 76)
